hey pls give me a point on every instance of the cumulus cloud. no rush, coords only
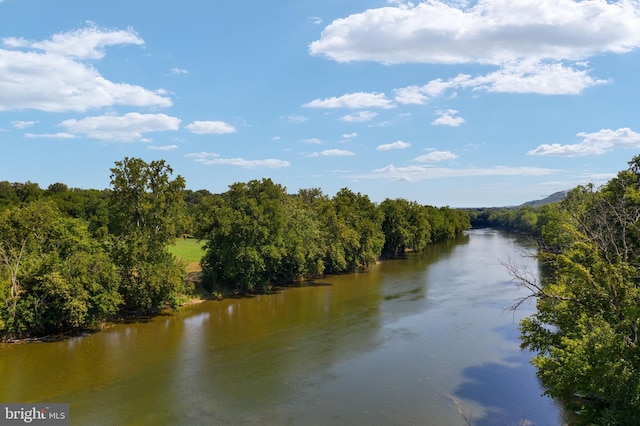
(447, 118)
(355, 100)
(395, 145)
(349, 135)
(178, 71)
(436, 156)
(210, 127)
(128, 127)
(489, 32)
(27, 69)
(536, 47)
(416, 173)
(421, 94)
(532, 76)
(592, 143)
(84, 43)
(359, 117)
(210, 158)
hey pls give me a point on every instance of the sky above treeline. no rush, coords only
(459, 103)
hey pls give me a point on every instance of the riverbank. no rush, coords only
(383, 347)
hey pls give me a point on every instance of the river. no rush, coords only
(425, 340)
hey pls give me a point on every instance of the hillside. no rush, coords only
(553, 198)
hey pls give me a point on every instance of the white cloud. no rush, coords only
(421, 94)
(128, 127)
(315, 141)
(359, 117)
(28, 68)
(61, 135)
(297, 118)
(84, 43)
(419, 173)
(354, 101)
(210, 158)
(163, 148)
(592, 143)
(315, 20)
(536, 47)
(178, 71)
(489, 32)
(395, 145)
(349, 135)
(532, 76)
(210, 127)
(447, 118)
(524, 76)
(19, 124)
(332, 153)
(436, 156)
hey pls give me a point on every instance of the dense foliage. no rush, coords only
(258, 235)
(524, 219)
(53, 275)
(71, 258)
(585, 331)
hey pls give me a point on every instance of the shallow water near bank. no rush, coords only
(422, 340)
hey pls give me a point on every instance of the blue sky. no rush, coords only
(459, 103)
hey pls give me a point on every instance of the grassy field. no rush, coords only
(189, 250)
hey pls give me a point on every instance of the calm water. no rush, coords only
(413, 341)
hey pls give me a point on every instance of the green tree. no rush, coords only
(244, 232)
(360, 229)
(28, 191)
(395, 226)
(585, 331)
(53, 275)
(147, 207)
(419, 226)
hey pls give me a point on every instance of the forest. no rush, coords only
(74, 258)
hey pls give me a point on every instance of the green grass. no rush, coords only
(187, 249)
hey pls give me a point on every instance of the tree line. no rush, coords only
(72, 258)
(257, 235)
(585, 333)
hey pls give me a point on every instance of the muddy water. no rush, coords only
(424, 340)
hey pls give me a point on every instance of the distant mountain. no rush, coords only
(553, 198)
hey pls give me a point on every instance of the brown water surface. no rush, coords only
(412, 341)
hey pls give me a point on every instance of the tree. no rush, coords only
(362, 228)
(586, 329)
(405, 226)
(8, 196)
(146, 210)
(419, 227)
(53, 275)
(246, 230)
(395, 226)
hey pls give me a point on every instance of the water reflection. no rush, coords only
(396, 345)
(480, 383)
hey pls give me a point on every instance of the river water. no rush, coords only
(424, 340)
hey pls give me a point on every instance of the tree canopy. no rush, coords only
(585, 331)
(71, 258)
(257, 235)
